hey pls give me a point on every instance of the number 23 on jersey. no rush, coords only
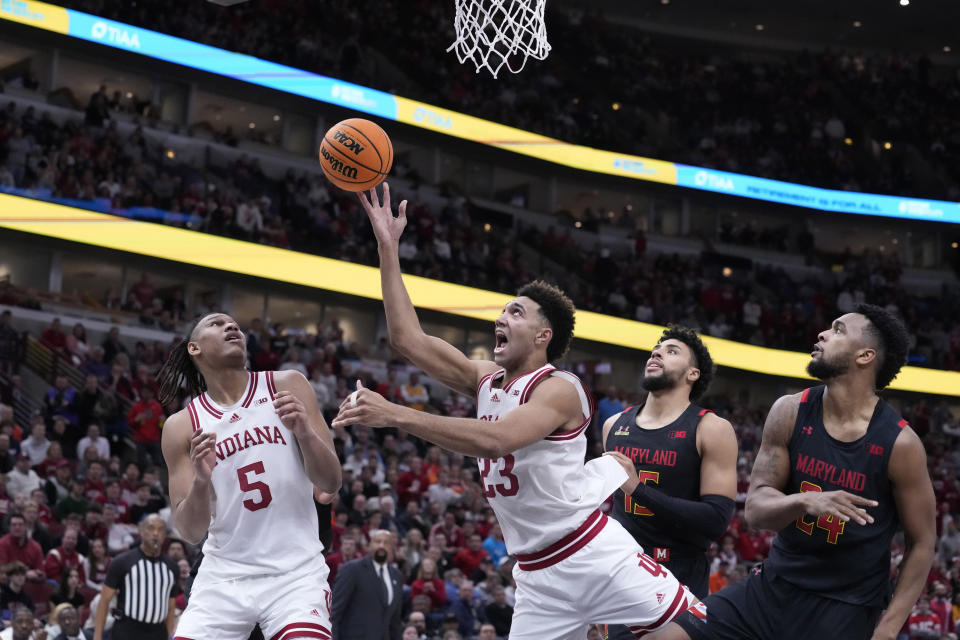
(510, 484)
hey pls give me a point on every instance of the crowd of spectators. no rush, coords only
(74, 492)
(609, 85)
(750, 302)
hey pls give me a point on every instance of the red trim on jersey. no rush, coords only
(194, 419)
(704, 412)
(304, 633)
(181, 638)
(556, 546)
(565, 546)
(672, 612)
(532, 383)
(289, 631)
(510, 384)
(805, 395)
(570, 435)
(903, 423)
(484, 379)
(591, 405)
(271, 385)
(208, 405)
(252, 391)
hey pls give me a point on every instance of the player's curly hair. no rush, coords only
(892, 340)
(701, 357)
(559, 312)
(179, 369)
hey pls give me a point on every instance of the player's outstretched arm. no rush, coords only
(768, 507)
(916, 505)
(296, 404)
(190, 458)
(440, 360)
(554, 404)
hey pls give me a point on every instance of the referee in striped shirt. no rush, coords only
(145, 583)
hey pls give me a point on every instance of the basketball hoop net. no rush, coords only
(500, 33)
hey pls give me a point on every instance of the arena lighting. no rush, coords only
(226, 3)
(445, 121)
(282, 265)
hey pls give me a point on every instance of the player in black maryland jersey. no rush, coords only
(682, 461)
(837, 472)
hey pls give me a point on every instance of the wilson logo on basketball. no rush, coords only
(348, 143)
(337, 166)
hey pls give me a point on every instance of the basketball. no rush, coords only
(356, 154)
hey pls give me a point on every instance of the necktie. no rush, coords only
(385, 579)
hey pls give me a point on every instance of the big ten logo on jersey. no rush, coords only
(678, 435)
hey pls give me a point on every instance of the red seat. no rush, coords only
(40, 593)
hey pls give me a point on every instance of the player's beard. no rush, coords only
(823, 369)
(662, 382)
(380, 555)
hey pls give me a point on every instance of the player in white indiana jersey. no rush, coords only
(574, 565)
(244, 456)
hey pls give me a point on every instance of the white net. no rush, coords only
(493, 34)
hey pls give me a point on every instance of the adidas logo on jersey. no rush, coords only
(316, 613)
(659, 598)
(495, 397)
(234, 418)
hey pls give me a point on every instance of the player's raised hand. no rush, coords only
(292, 413)
(202, 453)
(386, 227)
(365, 407)
(838, 504)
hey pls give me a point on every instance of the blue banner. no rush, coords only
(816, 198)
(234, 65)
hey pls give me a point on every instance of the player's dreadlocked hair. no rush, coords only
(892, 338)
(558, 309)
(179, 369)
(701, 356)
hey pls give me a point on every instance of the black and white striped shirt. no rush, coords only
(144, 584)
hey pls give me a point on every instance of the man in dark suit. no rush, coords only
(368, 594)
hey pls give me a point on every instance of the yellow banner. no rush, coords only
(534, 145)
(36, 14)
(271, 263)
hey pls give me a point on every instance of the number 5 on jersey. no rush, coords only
(511, 484)
(628, 503)
(265, 496)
